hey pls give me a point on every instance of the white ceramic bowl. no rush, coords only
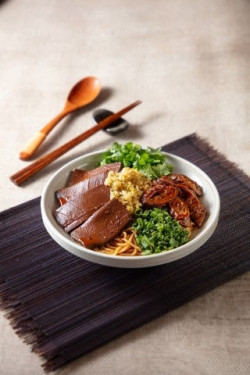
(210, 199)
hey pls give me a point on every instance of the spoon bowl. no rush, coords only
(84, 92)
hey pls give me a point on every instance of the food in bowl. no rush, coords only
(132, 204)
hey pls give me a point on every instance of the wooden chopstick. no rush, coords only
(25, 173)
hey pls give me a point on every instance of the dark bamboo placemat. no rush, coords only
(64, 306)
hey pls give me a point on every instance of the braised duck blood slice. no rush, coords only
(103, 225)
(82, 180)
(76, 176)
(80, 175)
(72, 192)
(75, 212)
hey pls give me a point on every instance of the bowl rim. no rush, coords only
(213, 216)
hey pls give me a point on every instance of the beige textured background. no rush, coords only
(188, 60)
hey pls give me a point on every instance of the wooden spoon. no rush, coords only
(83, 93)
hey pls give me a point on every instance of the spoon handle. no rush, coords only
(33, 144)
(25, 173)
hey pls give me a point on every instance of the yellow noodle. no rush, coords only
(125, 245)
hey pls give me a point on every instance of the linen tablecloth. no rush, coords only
(188, 61)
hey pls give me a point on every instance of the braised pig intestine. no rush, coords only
(159, 195)
(179, 194)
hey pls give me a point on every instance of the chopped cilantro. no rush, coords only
(151, 162)
(156, 231)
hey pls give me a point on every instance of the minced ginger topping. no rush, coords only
(128, 186)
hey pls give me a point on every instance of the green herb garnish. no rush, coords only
(156, 231)
(151, 162)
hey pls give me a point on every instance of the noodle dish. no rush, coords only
(133, 203)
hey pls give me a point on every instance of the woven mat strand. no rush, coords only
(65, 307)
